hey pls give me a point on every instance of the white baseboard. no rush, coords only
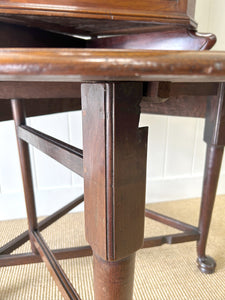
(159, 190)
(47, 202)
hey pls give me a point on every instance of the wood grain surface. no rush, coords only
(167, 10)
(110, 65)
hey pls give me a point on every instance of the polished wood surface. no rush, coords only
(67, 290)
(171, 38)
(24, 156)
(38, 107)
(178, 99)
(175, 99)
(105, 17)
(115, 151)
(127, 7)
(114, 217)
(214, 138)
(118, 85)
(120, 274)
(112, 65)
(40, 98)
(69, 156)
(113, 119)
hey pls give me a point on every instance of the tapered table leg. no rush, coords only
(114, 150)
(114, 280)
(19, 119)
(212, 170)
(215, 138)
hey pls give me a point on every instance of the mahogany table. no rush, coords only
(111, 87)
(113, 160)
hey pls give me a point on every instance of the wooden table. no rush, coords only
(113, 160)
(114, 87)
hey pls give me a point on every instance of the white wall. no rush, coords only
(176, 150)
(54, 184)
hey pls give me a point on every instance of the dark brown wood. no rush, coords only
(187, 99)
(19, 119)
(40, 107)
(188, 89)
(119, 65)
(120, 7)
(182, 106)
(114, 183)
(69, 156)
(93, 28)
(214, 137)
(178, 99)
(175, 238)
(30, 258)
(113, 280)
(160, 92)
(114, 168)
(40, 90)
(114, 147)
(174, 38)
(103, 17)
(67, 290)
(24, 237)
(50, 97)
(22, 36)
(211, 175)
(215, 119)
(169, 221)
(14, 243)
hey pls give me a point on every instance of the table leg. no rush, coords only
(20, 119)
(212, 169)
(114, 280)
(215, 139)
(114, 150)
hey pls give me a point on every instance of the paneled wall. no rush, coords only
(175, 157)
(54, 184)
(176, 150)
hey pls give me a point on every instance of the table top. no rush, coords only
(80, 65)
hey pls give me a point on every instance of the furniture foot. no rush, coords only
(113, 280)
(206, 264)
(214, 137)
(212, 170)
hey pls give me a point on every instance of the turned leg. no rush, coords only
(19, 119)
(212, 169)
(121, 275)
(215, 139)
(114, 152)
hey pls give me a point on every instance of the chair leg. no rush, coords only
(212, 169)
(20, 119)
